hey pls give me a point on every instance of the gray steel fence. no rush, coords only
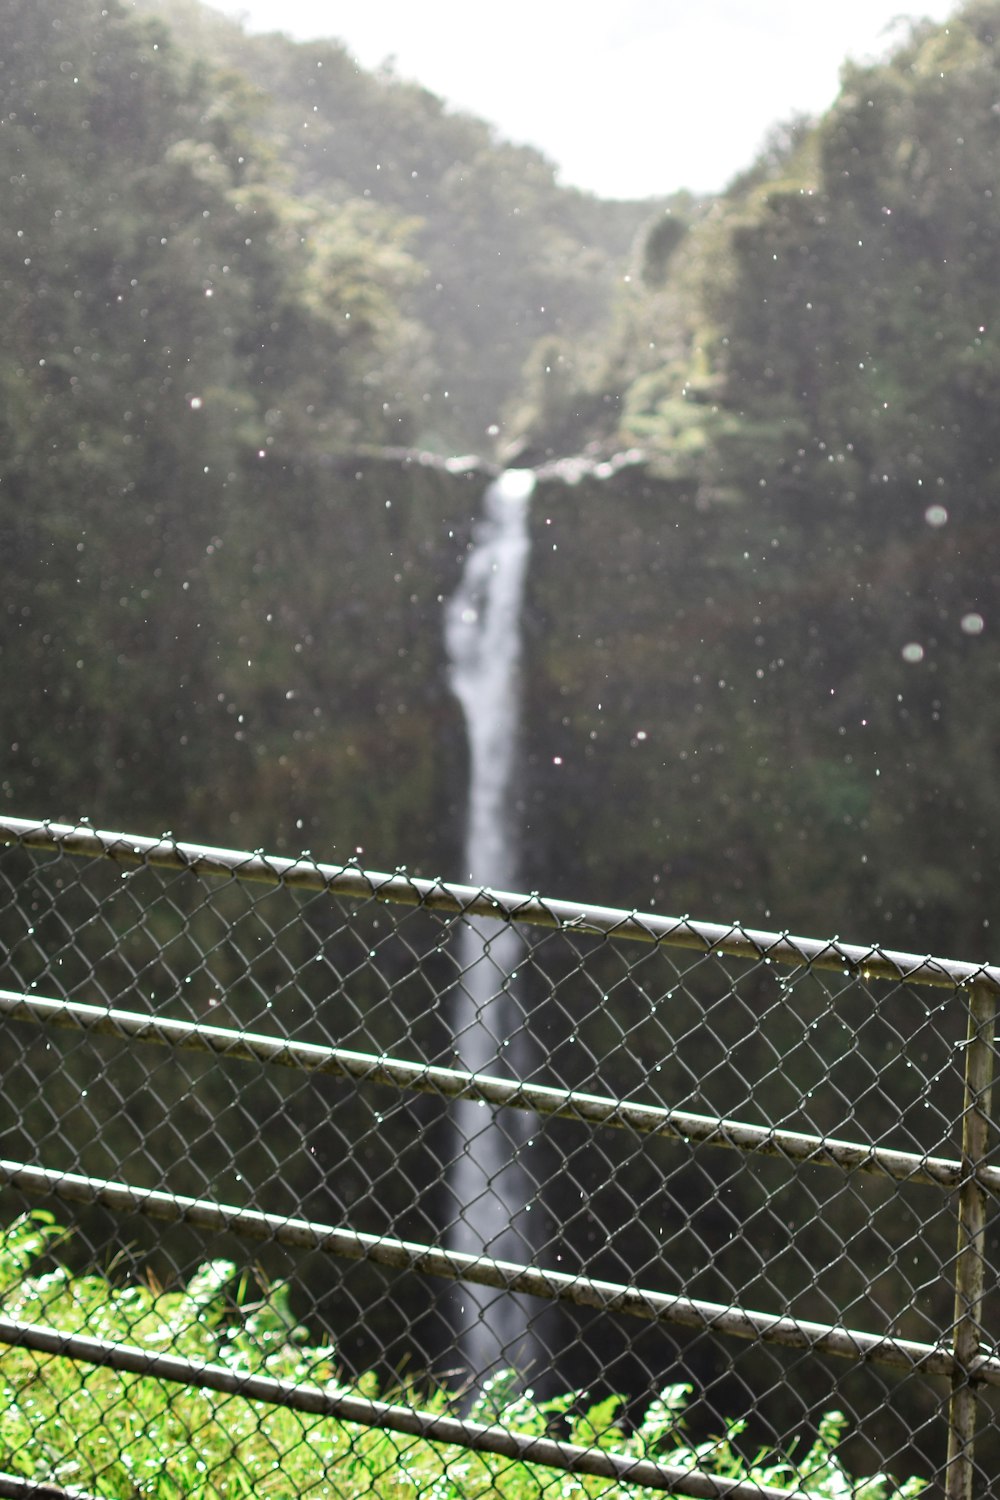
(401, 1160)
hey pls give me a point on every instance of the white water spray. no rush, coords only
(488, 1182)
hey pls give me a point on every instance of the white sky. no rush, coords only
(629, 98)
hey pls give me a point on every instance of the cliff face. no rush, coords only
(752, 710)
(664, 746)
(286, 661)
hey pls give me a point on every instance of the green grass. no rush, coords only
(123, 1436)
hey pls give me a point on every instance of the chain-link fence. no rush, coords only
(357, 1167)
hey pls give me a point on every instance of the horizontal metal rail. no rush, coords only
(506, 1276)
(304, 873)
(15, 1487)
(453, 1083)
(315, 1401)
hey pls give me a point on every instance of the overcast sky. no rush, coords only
(629, 98)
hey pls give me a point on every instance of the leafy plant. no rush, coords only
(123, 1436)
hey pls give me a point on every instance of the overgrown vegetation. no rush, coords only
(123, 1436)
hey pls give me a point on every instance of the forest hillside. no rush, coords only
(210, 334)
(506, 257)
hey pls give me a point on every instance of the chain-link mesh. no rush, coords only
(358, 1145)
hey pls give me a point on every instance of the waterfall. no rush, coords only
(488, 1183)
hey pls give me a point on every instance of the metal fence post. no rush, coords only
(970, 1265)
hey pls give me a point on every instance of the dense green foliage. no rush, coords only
(506, 255)
(125, 1436)
(198, 329)
(182, 342)
(801, 622)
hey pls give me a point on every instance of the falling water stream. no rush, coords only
(488, 1181)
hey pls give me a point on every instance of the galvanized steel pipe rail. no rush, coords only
(305, 873)
(16, 1487)
(507, 1276)
(454, 1083)
(315, 1401)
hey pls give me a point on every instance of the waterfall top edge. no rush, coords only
(515, 484)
